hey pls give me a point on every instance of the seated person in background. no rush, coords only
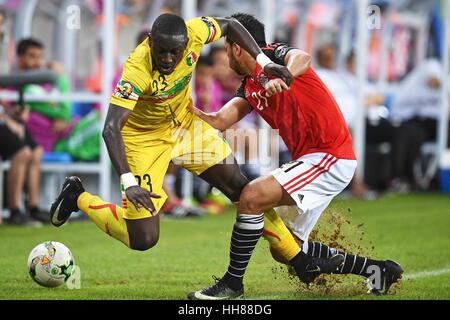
(418, 102)
(48, 122)
(405, 141)
(25, 155)
(404, 147)
(4, 43)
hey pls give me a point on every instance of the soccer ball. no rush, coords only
(50, 264)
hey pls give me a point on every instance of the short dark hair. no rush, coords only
(169, 24)
(253, 26)
(205, 61)
(25, 44)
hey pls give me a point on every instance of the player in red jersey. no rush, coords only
(312, 126)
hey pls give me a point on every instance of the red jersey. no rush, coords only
(307, 116)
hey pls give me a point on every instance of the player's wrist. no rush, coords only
(128, 180)
(263, 60)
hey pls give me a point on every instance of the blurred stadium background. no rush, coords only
(386, 63)
(91, 40)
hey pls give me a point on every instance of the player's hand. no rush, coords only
(279, 71)
(275, 86)
(141, 197)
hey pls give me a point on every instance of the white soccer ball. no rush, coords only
(50, 264)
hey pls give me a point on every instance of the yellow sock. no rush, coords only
(107, 216)
(280, 238)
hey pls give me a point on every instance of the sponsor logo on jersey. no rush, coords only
(126, 90)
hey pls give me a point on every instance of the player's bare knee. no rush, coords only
(249, 202)
(143, 242)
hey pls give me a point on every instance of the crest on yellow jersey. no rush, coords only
(191, 59)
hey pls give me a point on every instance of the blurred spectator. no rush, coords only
(404, 141)
(4, 68)
(417, 105)
(208, 91)
(135, 14)
(25, 155)
(48, 122)
(51, 124)
(226, 77)
(418, 101)
(142, 36)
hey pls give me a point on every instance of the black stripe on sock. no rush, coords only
(352, 264)
(242, 244)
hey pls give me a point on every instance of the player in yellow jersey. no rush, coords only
(150, 123)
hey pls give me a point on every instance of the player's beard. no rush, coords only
(234, 65)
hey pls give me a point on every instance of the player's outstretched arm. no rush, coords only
(112, 134)
(297, 61)
(237, 33)
(229, 114)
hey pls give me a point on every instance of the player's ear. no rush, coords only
(237, 50)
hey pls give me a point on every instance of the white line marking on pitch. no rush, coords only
(425, 274)
(410, 276)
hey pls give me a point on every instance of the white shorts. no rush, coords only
(313, 181)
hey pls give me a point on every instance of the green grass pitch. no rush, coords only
(413, 230)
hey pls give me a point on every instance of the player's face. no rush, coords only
(232, 60)
(167, 52)
(32, 59)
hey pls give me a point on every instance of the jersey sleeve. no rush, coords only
(277, 52)
(204, 29)
(134, 81)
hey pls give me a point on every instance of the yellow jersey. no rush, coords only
(158, 100)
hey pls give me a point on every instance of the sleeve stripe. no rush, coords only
(213, 33)
(211, 29)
